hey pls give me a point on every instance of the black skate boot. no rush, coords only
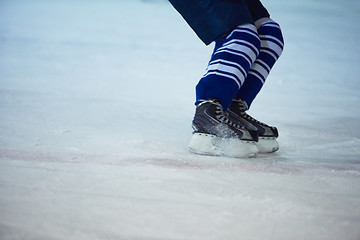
(267, 134)
(214, 133)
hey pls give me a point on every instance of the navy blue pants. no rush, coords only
(213, 19)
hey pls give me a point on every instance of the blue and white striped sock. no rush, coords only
(229, 65)
(272, 45)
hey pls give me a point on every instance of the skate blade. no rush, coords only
(267, 145)
(206, 144)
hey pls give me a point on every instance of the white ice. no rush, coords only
(96, 103)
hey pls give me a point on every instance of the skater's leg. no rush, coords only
(271, 47)
(229, 65)
(214, 133)
(272, 44)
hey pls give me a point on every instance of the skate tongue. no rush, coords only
(211, 100)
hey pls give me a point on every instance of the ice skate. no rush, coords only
(214, 134)
(267, 134)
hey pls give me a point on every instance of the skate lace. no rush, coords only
(223, 118)
(242, 109)
(251, 119)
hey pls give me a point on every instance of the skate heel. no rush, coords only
(207, 144)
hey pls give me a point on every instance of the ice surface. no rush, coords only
(96, 103)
